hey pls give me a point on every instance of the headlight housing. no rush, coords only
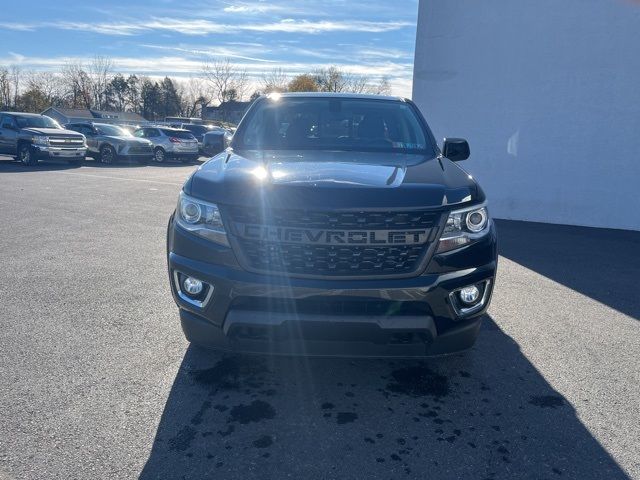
(201, 218)
(40, 140)
(463, 227)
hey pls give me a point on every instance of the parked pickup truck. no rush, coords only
(333, 225)
(30, 137)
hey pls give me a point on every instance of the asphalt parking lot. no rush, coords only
(97, 381)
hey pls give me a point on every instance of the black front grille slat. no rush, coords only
(307, 259)
(342, 220)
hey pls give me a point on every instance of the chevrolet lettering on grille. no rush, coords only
(312, 236)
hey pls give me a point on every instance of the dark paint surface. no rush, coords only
(347, 180)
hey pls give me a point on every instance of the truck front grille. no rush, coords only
(325, 259)
(66, 141)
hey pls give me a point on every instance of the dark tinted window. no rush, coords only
(84, 129)
(178, 134)
(333, 124)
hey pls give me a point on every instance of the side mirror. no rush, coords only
(455, 149)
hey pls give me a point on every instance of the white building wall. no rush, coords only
(548, 94)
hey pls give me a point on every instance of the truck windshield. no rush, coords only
(308, 123)
(41, 121)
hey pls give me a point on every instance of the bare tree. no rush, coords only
(331, 79)
(357, 83)
(195, 95)
(226, 80)
(275, 81)
(334, 79)
(16, 78)
(100, 73)
(48, 83)
(79, 90)
(5, 88)
(382, 88)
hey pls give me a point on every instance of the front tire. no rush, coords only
(26, 156)
(159, 155)
(108, 155)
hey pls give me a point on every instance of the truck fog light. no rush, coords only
(469, 295)
(192, 286)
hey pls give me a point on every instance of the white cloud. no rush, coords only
(254, 8)
(21, 27)
(206, 27)
(219, 52)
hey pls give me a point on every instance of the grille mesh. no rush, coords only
(336, 220)
(332, 260)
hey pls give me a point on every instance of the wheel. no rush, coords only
(107, 154)
(159, 155)
(25, 155)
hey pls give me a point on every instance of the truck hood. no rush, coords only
(52, 132)
(326, 180)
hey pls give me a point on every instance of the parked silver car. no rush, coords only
(110, 143)
(170, 143)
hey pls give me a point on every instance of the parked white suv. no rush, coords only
(170, 143)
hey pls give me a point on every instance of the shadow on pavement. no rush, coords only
(8, 165)
(487, 414)
(600, 263)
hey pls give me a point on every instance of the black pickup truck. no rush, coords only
(333, 225)
(30, 137)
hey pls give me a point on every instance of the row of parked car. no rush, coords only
(31, 137)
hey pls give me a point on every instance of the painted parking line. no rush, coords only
(111, 177)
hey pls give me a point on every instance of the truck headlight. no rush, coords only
(464, 227)
(40, 140)
(201, 218)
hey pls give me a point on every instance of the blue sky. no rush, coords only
(162, 37)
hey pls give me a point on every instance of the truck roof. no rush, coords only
(337, 95)
(22, 114)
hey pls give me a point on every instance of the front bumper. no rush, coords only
(43, 152)
(134, 153)
(273, 314)
(190, 154)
